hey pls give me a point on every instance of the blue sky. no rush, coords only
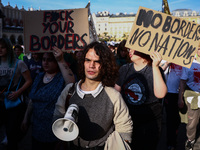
(113, 6)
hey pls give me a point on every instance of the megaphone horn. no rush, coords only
(66, 128)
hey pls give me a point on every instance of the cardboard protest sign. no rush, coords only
(66, 29)
(174, 38)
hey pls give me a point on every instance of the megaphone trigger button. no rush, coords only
(65, 129)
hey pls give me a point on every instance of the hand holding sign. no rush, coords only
(58, 54)
(156, 57)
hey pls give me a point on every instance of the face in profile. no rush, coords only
(3, 50)
(78, 55)
(49, 63)
(124, 52)
(198, 52)
(18, 51)
(35, 56)
(134, 55)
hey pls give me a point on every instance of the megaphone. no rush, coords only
(65, 128)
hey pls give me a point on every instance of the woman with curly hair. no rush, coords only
(101, 108)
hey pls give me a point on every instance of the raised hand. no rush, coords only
(156, 57)
(58, 54)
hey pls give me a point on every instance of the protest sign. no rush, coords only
(174, 38)
(66, 29)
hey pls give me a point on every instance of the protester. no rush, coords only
(44, 93)
(12, 117)
(142, 84)
(171, 103)
(111, 46)
(35, 67)
(101, 108)
(34, 64)
(197, 56)
(19, 52)
(189, 93)
(77, 55)
(122, 56)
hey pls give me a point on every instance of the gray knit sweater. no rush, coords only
(99, 115)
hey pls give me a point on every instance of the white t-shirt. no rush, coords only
(6, 73)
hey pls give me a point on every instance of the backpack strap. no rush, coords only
(69, 95)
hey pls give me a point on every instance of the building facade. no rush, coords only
(187, 14)
(11, 23)
(110, 26)
(113, 26)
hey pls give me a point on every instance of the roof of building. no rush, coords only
(116, 15)
(182, 10)
(122, 15)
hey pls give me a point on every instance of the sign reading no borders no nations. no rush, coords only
(66, 29)
(175, 39)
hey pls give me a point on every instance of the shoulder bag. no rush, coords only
(12, 103)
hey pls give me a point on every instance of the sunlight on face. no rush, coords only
(92, 65)
(133, 56)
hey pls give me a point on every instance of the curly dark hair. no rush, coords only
(108, 72)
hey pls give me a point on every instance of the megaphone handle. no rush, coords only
(70, 92)
(67, 125)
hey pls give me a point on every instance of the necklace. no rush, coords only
(47, 79)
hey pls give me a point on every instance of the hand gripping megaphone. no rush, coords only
(66, 128)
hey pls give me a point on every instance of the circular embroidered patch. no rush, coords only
(134, 90)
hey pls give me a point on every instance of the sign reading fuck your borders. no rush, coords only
(174, 38)
(66, 29)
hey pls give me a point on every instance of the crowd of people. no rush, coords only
(120, 92)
